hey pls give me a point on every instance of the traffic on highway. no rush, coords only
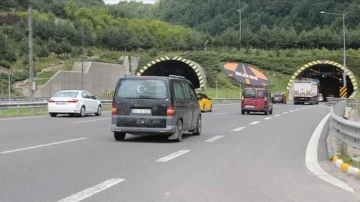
(253, 157)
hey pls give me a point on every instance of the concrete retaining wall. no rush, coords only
(95, 77)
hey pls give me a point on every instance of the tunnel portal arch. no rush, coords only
(322, 68)
(165, 66)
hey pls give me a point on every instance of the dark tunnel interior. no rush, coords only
(174, 67)
(330, 79)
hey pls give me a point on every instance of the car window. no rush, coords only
(261, 94)
(189, 93)
(149, 89)
(178, 90)
(249, 93)
(66, 94)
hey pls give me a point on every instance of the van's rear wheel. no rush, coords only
(178, 131)
(198, 127)
(119, 136)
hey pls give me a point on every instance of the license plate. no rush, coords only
(141, 111)
(60, 103)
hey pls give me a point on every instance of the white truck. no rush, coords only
(305, 90)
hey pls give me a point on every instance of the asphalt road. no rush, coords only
(236, 158)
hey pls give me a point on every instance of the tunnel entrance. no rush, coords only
(330, 77)
(175, 66)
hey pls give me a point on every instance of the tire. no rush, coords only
(99, 111)
(198, 126)
(242, 111)
(119, 136)
(203, 109)
(266, 112)
(179, 131)
(210, 108)
(52, 114)
(82, 111)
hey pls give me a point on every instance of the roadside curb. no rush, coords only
(345, 167)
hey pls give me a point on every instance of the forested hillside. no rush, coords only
(62, 27)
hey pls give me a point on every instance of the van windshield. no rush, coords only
(142, 89)
(249, 93)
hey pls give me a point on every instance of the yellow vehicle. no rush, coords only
(205, 102)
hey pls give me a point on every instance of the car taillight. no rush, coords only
(113, 110)
(73, 101)
(170, 111)
(51, 101)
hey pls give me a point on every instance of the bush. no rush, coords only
(5, 64)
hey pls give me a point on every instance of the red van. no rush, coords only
(256, 100)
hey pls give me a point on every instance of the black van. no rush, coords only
(145, 105)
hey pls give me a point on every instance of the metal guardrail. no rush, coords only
(42, 103)
(345, 130)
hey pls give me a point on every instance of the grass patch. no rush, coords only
(43, 77)
(33, 111)
(347, 159)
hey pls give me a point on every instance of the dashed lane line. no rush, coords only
(172, 156)
(213, 139)
(92, 190)
(267, 118)
(238, 129)
(93, 120)
(220, 113)
(43, 145)
(254, 123)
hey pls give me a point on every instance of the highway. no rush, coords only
(236, 158)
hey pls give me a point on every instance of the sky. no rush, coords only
(117, 1)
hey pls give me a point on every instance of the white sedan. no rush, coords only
(79, 102)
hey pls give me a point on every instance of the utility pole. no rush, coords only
(31, 63)
(82, 57)
(240, 22)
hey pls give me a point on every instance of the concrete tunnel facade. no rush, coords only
(192, 71)
(330, 75)
(166, 66)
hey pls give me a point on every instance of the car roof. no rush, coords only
(154, 77)
(71, 90)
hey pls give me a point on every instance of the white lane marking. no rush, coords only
(285, 112)
(93, 120)
(172, 156)
(20, 118)
(93, 190)
(43, 145)
(311, 159)
(291, 111)
(214, 138)
(267, 118)
(238, 129)
(297, 109)
(255, 122)
(220, 113)
(277, 115)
